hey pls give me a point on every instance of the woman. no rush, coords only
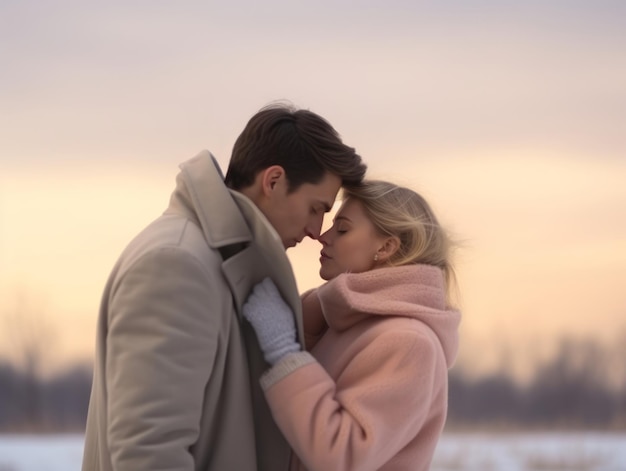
(371, 391)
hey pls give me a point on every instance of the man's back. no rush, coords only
(172, 386)
(168, 336)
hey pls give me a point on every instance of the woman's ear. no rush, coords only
(270, 177)
(390, 246)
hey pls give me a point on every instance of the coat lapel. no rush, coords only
(251, 250)
(264, 257)
(229, 219)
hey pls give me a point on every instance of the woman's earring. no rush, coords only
(375, 257)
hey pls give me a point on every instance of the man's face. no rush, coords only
(300, 214)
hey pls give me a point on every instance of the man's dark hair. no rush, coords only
(300, 141)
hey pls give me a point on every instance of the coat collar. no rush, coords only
(409, 291)
(200, 195)
(228, 219)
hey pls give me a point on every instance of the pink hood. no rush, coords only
(415, 291)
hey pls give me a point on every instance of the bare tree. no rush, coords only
(29, 335)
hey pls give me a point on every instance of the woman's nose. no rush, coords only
(324, 239)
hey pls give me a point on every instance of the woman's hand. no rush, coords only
(272, 321)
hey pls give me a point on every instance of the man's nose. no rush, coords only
(312, 233)
(314, 229)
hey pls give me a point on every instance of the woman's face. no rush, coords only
(350, 244)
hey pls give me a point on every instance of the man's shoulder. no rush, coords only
(172, 232)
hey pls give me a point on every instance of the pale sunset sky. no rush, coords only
(509, 117)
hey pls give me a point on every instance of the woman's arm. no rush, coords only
(375, 408)
(360, 420)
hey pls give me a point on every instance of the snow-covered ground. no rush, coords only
(39, 452)
(456, 452)
(531, 452)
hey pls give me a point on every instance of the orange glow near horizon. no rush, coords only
(535, 261)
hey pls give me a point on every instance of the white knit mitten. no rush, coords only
(272, 321)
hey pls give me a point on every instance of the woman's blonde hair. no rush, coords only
(405, 214)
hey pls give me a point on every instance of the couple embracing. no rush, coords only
(207, 356)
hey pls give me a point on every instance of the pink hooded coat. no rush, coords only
(372, 393)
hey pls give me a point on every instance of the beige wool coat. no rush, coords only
(176, 374)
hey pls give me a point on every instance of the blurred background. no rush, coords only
(509, 117)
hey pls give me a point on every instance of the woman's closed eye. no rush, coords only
(341, 229)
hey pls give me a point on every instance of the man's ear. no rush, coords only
(390, 246)
(270, 177)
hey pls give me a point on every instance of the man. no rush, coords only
(176, 371)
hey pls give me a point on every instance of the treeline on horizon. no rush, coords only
(574, 389)
(582, 386)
